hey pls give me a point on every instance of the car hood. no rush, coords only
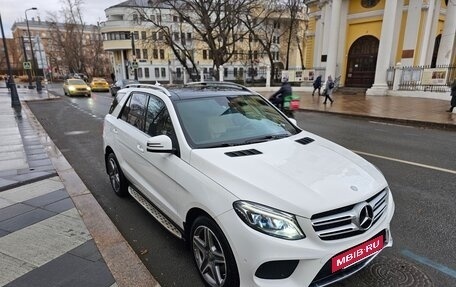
(302, 179)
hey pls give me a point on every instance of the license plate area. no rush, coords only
(358, 253)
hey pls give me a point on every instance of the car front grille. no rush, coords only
(342, 222)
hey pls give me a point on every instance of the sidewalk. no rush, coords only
(406, 110)
(54, 233)
(52, 230)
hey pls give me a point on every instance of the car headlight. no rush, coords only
(71, 88)
(88, 88)
(269, 220)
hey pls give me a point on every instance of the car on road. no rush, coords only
(260, 201)
(99, 84)
(76, 87)
(120, 84)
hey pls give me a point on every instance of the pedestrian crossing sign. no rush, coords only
(27, 65)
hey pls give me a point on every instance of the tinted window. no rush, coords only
(134, 110)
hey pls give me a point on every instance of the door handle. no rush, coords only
(114, 130)
(140, 148)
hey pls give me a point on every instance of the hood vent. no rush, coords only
(243, 152)
(305, 140)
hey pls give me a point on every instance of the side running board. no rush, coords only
(155, 213)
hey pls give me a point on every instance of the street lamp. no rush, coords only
(38, 83)
(132, 35)
(15, 103)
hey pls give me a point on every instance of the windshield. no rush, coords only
(76, 82)
(231, 120)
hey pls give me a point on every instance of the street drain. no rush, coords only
(389, 271)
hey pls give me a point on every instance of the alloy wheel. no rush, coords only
(114, 175)
(209, 256)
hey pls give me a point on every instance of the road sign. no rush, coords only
(134, 65)
(27, 65)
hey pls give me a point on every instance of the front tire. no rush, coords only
(116, 177)
(212, 254)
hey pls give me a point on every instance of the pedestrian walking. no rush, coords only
(113, 77)
(317, 85)
(453, 96)
(328, 90)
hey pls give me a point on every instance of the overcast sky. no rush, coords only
(14, 10)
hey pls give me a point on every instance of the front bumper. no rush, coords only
(311, 255)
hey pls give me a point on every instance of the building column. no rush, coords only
(447, 41)
(427, 33)
(412, 26)
(333, 42)
(434, 22)
(122, 61)
(384, 58)
(318, 41)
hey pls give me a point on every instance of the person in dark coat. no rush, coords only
(329, 90)
(278, 97)
(453, 96)
(317, 85)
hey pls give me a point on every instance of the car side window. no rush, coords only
(154, 116)
(134, 110)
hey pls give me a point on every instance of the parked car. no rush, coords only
(99, 84)
(76, 87)
(260, 201)
(120, 84)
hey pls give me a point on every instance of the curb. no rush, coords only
(124, 264)
(423, 124)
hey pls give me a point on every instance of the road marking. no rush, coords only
(430, 263)
(390, 124)
(407, 162)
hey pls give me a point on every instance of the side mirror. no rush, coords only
(160, 144)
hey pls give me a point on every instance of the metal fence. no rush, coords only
(423, 78)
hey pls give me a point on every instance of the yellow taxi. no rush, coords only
(76, 87)
(99, 84)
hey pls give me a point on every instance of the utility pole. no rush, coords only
(30, 86)
(15, 103)
(134, 63)
(38, 83)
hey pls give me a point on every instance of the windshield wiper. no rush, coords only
(266, 138)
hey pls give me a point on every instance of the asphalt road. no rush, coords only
(419, 165)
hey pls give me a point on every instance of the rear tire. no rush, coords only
(212, 254)
(116, 177)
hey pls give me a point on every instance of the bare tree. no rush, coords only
(295, 17)
(215, 23)
(74, 45)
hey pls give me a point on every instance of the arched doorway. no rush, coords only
(362, 60)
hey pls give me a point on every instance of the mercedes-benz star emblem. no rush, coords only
(365, 216)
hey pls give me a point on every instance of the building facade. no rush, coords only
(360, 40)
(156, 61)
(51, 58)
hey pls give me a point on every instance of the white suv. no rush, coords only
(262, 202)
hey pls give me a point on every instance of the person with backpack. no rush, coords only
(317, 85)
(283, 97)
(329, 89)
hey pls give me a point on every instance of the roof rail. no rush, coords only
(218, 83)
(156, 86)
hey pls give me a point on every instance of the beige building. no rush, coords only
(156, 61)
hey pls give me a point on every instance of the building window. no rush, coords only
(189, 36)
(160, 36)
(155, 53)
(235, 71)
(178, 72)
(225, 72)
(144, 53)
(154, 35)
(138, 53)
(176, 36)
(163, 72)
(140, 74)
(175, 19)
(136, 35)
(146, 72)
(241, 72)
(143, 35)
(369, 3)
(157, 73)
(162, 53)
(205, 54)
